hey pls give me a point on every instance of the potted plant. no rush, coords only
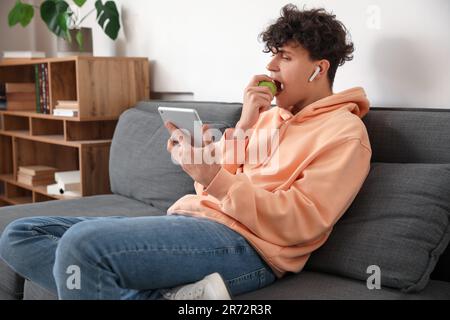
(65, 21)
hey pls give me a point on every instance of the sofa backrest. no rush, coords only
(412, 135)
(409, 135)
(140, 166)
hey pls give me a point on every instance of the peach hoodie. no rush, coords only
(311, 178)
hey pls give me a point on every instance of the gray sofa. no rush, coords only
(399, 221)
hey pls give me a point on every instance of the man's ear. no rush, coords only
(324, 65)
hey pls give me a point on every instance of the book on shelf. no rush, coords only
(69, 180)
(23, 54)
(65, 112)
(67, 104)
(20, 87)
(36, 175)
(20, 96)
(37, 170)
(34, 181)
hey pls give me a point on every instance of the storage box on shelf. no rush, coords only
(101, 87)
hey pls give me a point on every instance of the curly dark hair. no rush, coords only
(315, 30)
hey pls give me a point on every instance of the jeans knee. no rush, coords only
(15, 233)
(74, 247)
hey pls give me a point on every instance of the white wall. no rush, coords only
(209, 47)
(13, 38)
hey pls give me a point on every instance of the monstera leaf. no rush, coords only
(21, 13)
(108, 18)
(79, 2)
(56, 16)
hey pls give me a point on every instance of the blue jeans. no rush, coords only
(129, 258)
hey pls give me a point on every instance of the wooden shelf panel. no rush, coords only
(32, 114)
(21, 62)
(39, 197)
(15, 194)
(9, 178)
(20, 200)
(6, 156)
(90, 131)
(54, 139)
(15, 123)
(4, 200)
(15, 200)
(47, 127)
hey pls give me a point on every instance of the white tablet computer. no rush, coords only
(185, 119)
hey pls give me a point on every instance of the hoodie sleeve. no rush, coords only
(311, 206)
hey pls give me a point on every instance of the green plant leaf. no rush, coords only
(108, 18)
(55, 14)
(79, 2)
(21, 13)
(79, 37)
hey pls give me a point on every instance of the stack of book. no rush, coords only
(68, 183)
(66, 108)
(36, 175)
(20, 96)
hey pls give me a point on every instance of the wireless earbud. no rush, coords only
(316, 72)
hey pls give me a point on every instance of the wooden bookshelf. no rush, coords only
(103, 86)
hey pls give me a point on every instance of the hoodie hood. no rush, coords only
(354, 100)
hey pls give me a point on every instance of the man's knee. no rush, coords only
(77, 247)
(15, 234)
(82, 242)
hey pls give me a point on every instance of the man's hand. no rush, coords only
(256, 100)
(182, 151)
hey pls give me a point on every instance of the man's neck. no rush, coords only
(313, 98)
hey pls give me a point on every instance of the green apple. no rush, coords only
(270, 85)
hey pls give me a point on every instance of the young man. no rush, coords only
(248, 223)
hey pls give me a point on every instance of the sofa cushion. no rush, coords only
(11, 284)
(306, 286)
(399, 221)
(33, 291)
(140, 166)
(309, 285)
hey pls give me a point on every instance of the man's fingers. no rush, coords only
(170, 126)
(179, 136)
(260, 89)
(171, 144)
(260, 93)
